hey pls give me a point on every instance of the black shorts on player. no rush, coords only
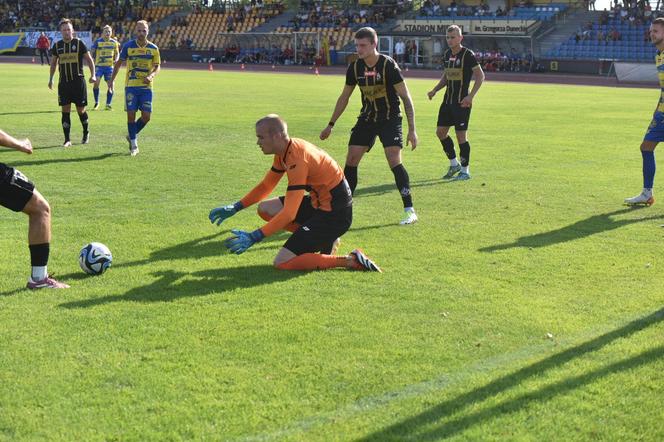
(364, 133)
(318, 228)
(454, 115)
(15, 188)
(74, 91)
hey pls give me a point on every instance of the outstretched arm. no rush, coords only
(11, 142)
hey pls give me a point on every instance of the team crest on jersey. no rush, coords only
(458, 62)
(378, 77)
(73, 47)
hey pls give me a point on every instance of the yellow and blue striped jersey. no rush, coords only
(140, 61)
(659, 64)
(106, 51)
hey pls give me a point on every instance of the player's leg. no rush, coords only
(391, 136)
(108, 74)
(95, 87)
(362, 138)
(83, 117)
(145, 105)
(445, 121)
(462, 117)
(39, 239)
(299, 252)
(66, 123)
(646, 198)
(268, 209)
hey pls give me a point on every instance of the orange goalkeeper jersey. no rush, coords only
(308, 169)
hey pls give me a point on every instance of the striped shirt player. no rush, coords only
(381, 85)
(69, 54)
(655, 132)
(460, 67)
(106, 50)
(317, 220)
(143, 64)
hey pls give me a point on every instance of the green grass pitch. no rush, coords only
(526, 304)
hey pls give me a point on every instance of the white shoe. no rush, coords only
(335, 246)
(410, 217)
(133, 152)
(66, 144)
(643, 199)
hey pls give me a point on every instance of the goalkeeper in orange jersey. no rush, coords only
(317, 220)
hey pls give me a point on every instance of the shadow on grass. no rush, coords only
(419, 427)
(30, 112)
(171, 285)
(580, 229)
(388, 188)
(63, 160)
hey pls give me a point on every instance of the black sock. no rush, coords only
(350, 173)
(84, 121)
(464, 153)
(448, 148)
(403, 184)
(39, 254)
(66, 124)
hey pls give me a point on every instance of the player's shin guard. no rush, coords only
(131, 128)
(95, 92)
(350, 173)
(140, 124)
(313, 261)
(109, 98)
(66, 124)
(648, 168)
(84, 121)
(464, 154)
(448, 148)
(292, 227)
(403, 184)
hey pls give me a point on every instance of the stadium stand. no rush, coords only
(433, 10)
(619, 34)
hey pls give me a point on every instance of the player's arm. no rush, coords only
(258, 193)
(11, 142)
(91, 64)
(478, 79)
(153, 72)
(409, 110)
(440, 85)
(297, 179)
(339, 108)
(116, 68)
(54, 63)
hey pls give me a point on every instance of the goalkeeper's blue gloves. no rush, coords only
(219, 214)
(243, 240)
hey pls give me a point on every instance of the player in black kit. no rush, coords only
(460, 66)
(379, 79)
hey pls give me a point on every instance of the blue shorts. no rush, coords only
(104, 71)
(138, 98)
(655, 131)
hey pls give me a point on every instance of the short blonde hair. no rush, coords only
(143, 22)
(453, 28)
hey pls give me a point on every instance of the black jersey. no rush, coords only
(70, 58)
(458, 72)
(380, 101)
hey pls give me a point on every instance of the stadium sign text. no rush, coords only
(473, 27)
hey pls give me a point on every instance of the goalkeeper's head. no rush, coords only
(272, 134)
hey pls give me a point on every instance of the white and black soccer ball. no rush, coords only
(95, 258)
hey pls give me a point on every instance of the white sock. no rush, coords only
(454, 162)
(39, 273)
(647, 191)
(465, 169)
(409, 209)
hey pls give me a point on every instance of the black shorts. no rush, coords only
(389, 131)
(15, 188)
(73, 92)
(453, 115)
(318, 228)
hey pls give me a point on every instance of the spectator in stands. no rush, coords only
(400, 51)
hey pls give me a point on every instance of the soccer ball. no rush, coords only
(95, 258)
